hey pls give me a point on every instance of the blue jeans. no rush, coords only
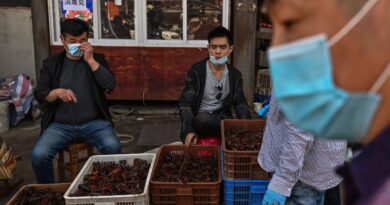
(303, 194)
(57, 136)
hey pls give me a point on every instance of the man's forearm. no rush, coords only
(52, 96)
(291, 159)
(93, 64)
(104, 78)
(186, 117)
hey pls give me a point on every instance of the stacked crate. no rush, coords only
(245, 182)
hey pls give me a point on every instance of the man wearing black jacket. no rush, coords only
(212, 87)
(71, 88)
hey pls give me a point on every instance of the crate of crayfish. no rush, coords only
(187, 175)
(36, 194)
(113, 179)
(241, 142)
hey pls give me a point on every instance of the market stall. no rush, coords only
(149, 44)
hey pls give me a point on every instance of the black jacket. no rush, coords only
(192, 95)
(49, 79)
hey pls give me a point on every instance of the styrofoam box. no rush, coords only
(137, 199)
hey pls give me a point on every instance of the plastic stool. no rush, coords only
(72, 166)
(208, 140)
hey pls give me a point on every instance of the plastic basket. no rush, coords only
(62, 187)
(136, 199)
(7, 161)
(263, 79)
(242, 165)
(244, 192)
(172, 193)
(263, 89)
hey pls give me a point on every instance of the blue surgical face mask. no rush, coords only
(304, 88)
(74, 50)
(220, 61)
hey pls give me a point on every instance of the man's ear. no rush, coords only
(63, 42)
(208, 48)
(62, 39)
(231, 49)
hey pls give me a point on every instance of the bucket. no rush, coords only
(4, 117)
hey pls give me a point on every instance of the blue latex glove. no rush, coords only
(273, 198)
(263, 112)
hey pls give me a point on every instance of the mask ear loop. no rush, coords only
(352, 23)
(381, 80)
(347, 28)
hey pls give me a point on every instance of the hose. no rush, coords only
(129, 138)
(119, 112)
(31, 127)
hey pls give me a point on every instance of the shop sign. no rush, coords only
(74, 5)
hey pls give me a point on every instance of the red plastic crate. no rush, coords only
(242, 165)
(199, 193)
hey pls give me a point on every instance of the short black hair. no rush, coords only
(221, 31)
(74, 27)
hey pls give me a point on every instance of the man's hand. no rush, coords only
(87, 48)
(273, 198)
(189, 138)
(66, 95)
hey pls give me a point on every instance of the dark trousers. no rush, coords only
(206, 124)
(332, 196)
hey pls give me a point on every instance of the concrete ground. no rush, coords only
(128, 121)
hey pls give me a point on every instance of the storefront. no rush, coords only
(149, 44)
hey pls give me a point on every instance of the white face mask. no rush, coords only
(74, 50)
(219, 61)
